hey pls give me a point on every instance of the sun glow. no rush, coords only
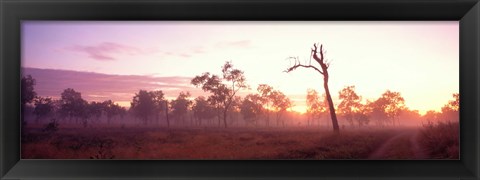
(364, 54)
(299, 109)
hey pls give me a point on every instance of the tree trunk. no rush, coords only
(267, 121)
(225, 117)
(166, 114)
(331, 108)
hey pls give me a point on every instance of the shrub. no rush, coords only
(51, 127)
(102, 148)
(441, 139)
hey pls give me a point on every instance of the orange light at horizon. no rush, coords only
(125, 104)
(299, 109)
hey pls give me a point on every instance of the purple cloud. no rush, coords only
(105, 51)
(100, 87)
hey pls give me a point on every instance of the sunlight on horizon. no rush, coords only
(418, 59)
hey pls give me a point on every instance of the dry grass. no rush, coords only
(347, 145)
(200, 143)
(441, 140)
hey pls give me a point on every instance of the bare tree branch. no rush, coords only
(305, 66)
(315, 52)
(299, 64)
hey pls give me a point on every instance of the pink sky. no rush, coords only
(419, 59)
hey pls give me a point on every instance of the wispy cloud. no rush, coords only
(106, 51)
(198, 50)
(234, 44)
(189, 52)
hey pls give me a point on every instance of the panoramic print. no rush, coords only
(240, 90)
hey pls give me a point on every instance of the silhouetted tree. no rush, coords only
(450, 111)
(43, 108)
(252, 108)
(159, 100)
(455, 103)
(234, 110)
(265, 92)
(83, 113)
(72, 104)
(362, 115)
(222, 94)
(430, 117)
(315, 106)
(318, 56)
(387, 107)
(28, 90)
(143, 105)
(96, 110)
(280, 105)
(167, 112)
(411, 117)
(111, 110)
(180, 106)
(202, 109)
(213, 84)
(28, 94)
(123, 112)
(394, 104)
(350, 105)
(376, 111)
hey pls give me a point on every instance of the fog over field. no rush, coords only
(207, 90)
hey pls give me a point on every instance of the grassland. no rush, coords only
(215, 143)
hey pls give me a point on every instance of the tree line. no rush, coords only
(386, 110)
(151, 107)
(71, 107)
(223, 107)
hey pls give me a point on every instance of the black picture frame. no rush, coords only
(12, 12)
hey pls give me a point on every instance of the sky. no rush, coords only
(114, 59)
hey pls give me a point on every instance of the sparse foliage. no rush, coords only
(280, 105)
(202, 109)
(112, 109)
(450, 111)
(28, 94)
(265, 92)
(43, 107)
(222, 93)
(252, 108)
(180, 106)
(96, 110)
(73, 105)
(315, 106)
(387, 108)
(393, 104)
(143, 105)
(51, 127)
(28, 90)
(159, 100)
(350, 106)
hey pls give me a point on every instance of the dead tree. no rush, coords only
(324, 66)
